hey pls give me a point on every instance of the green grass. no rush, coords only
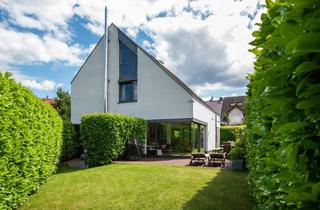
(130, 186)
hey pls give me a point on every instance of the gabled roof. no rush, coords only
(216, 105)
(182, 84)
(232, 102)
(87, 59)
(47, 100)
(173, 76)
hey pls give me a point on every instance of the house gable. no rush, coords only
(87, 87)
(158, 95)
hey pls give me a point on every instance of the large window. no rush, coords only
(127, 74)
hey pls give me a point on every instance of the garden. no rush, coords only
(280, 142)
(133, 186)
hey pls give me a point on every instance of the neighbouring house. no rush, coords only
(122, 77)
(48, 100)
(231, 109)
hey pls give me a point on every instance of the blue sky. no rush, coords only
(204, 42)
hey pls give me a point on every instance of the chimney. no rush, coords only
(211, 99)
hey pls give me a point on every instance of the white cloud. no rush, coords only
(26, 48)
(45, 85)
(204, 42)
(46, 15)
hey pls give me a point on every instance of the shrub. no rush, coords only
(106, 135)
(70, 145)
(30, 142)
(231, 133)
(283, 115)
(239, 150)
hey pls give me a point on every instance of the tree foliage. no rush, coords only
(105, 136)
(283, 115)
(71, 143)
(30, 142)
(63, 103)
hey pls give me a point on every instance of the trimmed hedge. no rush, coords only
(30, 142)
(231, 133)
(70, 144)
(283, 115)
(105, 136)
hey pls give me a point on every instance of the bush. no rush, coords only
(105, 136)
(283, 115)
(239, 150)
(231, 133)
(30, 142)
(70, 145)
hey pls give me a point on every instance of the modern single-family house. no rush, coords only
(231, 109)
(119, 76)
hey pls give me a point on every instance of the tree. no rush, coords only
(63, 103)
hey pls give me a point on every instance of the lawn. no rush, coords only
(130, 186)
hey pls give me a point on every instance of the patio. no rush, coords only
(170, 161)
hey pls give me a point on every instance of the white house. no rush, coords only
(232, 109)
(121, 77)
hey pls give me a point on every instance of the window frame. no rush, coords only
(128, 80)
(120, 91)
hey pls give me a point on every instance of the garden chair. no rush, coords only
(199, 158)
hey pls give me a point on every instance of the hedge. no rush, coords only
(30, 141)
(105, 135)
(231, 133)
(283, 115)
(70, 144)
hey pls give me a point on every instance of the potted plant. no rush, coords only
(238, 154)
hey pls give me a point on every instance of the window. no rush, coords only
(128, 91)
(128, 63)
(127, 74)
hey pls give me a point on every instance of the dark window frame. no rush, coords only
(120, 91)
(123, 80)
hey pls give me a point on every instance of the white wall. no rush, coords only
(202, 113)
(87, 89)
(235, 116)
(158, 95)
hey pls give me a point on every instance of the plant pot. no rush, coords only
(237, 164)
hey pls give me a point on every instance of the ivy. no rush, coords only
(105, 136)
(283, 107)
(30, 141)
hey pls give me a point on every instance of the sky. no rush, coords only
(204, 42)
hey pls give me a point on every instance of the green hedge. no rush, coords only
(105, 135)
(70, 144)
(231, 133)
(283, 114)
(30, 142)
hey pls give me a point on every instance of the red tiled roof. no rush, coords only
(48, 100)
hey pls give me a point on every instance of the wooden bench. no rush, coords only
(199, 158)
(217, 157)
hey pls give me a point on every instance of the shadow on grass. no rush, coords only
(67, 169)
(227, 190)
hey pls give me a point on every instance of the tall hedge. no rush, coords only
(70, 144)
(105, 135)
(231, 133)
(283, 107)
(30, 141)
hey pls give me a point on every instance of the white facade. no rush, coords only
(160, 95)
(87, 88)
(235, 116)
